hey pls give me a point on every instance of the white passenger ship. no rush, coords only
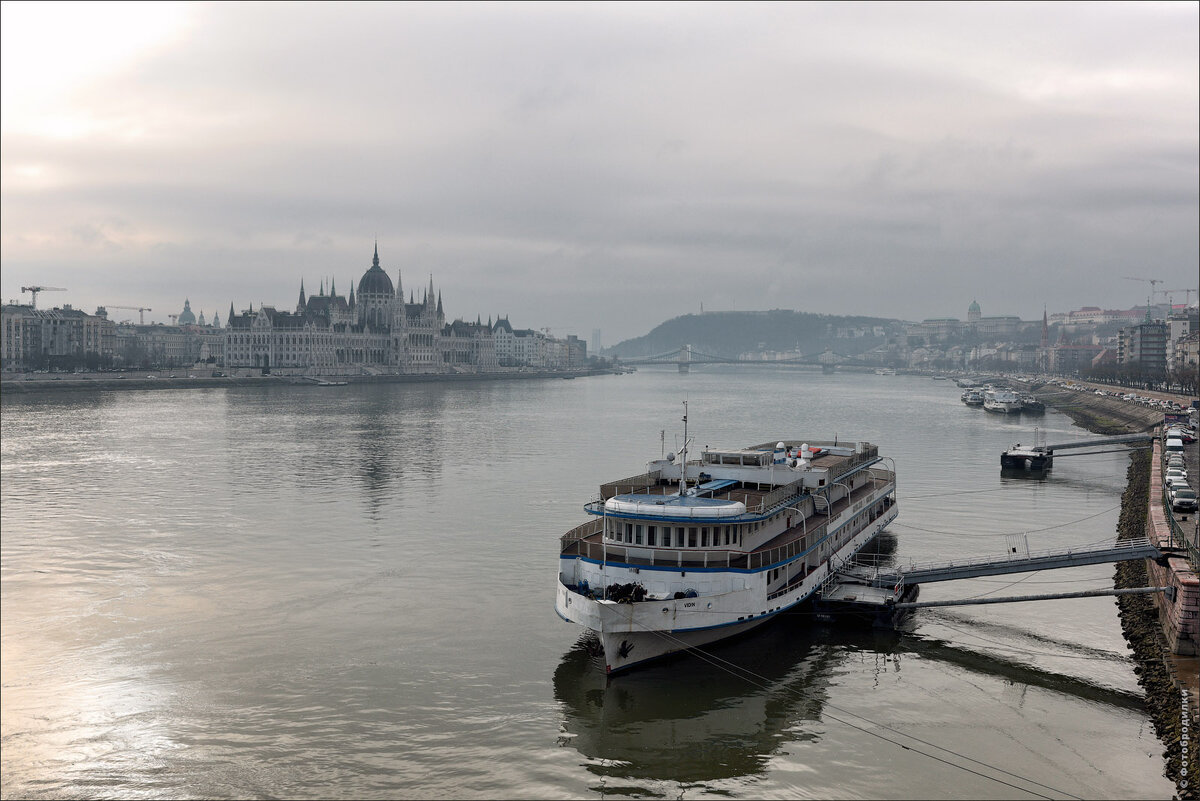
(692, 552)
(1002, 401)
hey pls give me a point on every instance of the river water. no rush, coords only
(298, 591)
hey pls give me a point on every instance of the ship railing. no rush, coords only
(785, 494)
(570, 542)
(795, 491)
(644, 483)
(646, 556)
(831, 578)
(792, 583)
(867, 454)
(574, 543)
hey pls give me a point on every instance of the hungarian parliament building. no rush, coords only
(376, 330)
(373, 330)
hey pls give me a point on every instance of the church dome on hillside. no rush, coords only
(186, 317)
(375, 281)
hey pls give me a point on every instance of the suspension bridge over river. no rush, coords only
(685, 356)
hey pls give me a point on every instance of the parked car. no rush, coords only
(1183, 499)
(1174, 477)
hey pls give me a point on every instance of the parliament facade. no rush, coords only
(375, 330)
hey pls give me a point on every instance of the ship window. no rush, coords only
(651, 535)
(679, 537)
(629, 532)
(691, 536)
(704, 536)
(637, 534)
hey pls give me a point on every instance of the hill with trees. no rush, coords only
(733, 333)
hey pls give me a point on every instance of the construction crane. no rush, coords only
(141, 310)
(1187, 295)
(34, 290)
(1151, 281)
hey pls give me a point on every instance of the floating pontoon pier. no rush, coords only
(1037, 458)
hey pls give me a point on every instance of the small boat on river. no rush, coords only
(695, 550)
(1031, 405)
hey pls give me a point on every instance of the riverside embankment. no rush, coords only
(19, 383)
(1152, 625)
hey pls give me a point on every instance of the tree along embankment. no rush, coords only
(1139, 613)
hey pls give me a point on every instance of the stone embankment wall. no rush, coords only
(1181, 617)
(1160, 633)
(1101, 414)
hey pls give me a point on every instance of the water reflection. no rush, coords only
(373, 437)
(696, 718)
(725, 712)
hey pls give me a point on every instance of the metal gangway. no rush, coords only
(1017, 560)
(1122, 439)
(1088, 443)
(855, 584)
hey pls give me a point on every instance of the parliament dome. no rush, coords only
(375, 281)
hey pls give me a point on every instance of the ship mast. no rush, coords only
(683, 456)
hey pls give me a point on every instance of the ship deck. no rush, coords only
(587, 540)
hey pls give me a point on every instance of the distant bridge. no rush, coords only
(684, 357)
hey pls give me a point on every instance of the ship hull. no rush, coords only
(633, 634)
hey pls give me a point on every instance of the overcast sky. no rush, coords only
(582, 166)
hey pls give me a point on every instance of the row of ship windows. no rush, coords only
(679, 536)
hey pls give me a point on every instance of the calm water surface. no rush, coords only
(313, 592)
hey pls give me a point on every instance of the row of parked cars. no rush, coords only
(1180, 494)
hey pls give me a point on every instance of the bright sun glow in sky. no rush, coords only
(52, 52)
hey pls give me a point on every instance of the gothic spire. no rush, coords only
(375, 261)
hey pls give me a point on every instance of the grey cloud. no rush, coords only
(607, 166)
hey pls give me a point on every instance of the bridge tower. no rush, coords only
(685, 358)
(828, 361)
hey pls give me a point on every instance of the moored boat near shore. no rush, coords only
(1001, 401)
(1031, 405)
(694, 551)
(972, 397)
